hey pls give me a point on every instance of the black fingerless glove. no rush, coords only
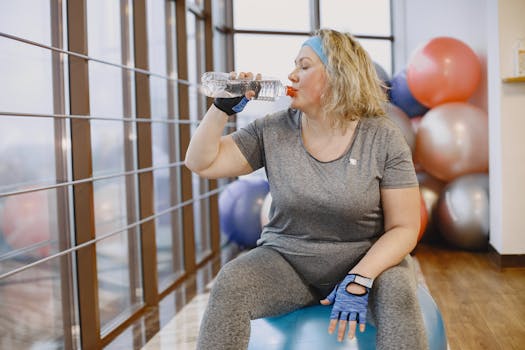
(231, 105)
(234, 105)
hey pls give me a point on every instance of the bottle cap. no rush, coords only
(290, 91)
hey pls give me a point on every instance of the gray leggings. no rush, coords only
(264, 283)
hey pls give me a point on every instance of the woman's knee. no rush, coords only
(396, 287)
(241, 276)
(229, 280)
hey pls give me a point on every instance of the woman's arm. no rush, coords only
(401, 210)
(401, 213)
(212, 155)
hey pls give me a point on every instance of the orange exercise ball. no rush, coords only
(443, 70)
(452, 140)
(25, 222)
(430, 189)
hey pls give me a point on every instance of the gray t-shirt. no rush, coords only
(335, 201)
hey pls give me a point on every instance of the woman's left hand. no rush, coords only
(350, 306)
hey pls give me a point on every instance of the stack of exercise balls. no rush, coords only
(450, 146)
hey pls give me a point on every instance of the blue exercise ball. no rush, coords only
(240, 210)
(306, 329)
(382, 74)
(401, 96)
(436, 334)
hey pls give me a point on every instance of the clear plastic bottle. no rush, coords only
(219, 84)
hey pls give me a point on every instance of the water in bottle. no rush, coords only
(218, 84)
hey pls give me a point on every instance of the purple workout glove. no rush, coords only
(348, 306)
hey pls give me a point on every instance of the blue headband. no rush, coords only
(316, 44)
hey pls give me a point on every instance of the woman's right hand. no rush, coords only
(249, 76)
(211, 154)
(234, 105)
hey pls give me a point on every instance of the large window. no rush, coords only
(93, 126)
(370, 21)
(38, 304)
(268, 35)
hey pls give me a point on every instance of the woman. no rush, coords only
(345, 204)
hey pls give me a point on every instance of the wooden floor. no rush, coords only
(483, 307)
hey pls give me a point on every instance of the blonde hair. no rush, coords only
(354, 89)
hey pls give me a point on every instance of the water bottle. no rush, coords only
(218, 84)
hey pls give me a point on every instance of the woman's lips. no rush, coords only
(290, 91)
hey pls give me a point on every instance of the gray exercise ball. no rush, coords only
(463, 212)
(382, 74)
(401, 119)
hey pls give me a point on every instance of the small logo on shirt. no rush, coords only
(353, 161)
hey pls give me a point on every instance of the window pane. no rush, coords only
(28, 19)
(202, 223)
(220, 56)
(29, 231)
(26, 76)
(218, 13)
(156, 36)
(168, 232)
(196, 52)
(370, 17)
(105, 90)
(380, 51)
(31, 303)
(196, 65)
(27, 153)
(104, 29)
(198, 3)
(278, 15)
(117, 256)
(162, 184)
(252, 54)
(114, 152)
(28, 227)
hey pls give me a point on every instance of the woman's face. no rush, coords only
(309, 79)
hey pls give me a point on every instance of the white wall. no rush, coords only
(511, 157)
(487, 26)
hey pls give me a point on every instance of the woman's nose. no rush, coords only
(292, 76)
